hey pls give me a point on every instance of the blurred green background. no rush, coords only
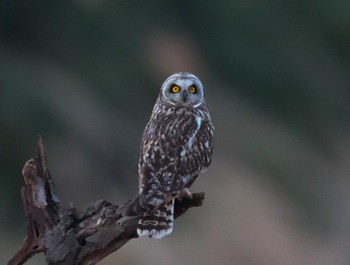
(85, 75)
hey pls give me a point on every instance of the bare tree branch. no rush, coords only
(64, 234)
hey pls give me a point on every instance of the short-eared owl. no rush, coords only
(177, 145)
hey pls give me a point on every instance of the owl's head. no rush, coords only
(183, 89)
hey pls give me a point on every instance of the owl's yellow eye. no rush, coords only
(175, 89)
(192, 89)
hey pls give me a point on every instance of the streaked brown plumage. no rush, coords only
(177, 145)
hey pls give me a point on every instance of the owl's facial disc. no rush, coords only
(183, 89)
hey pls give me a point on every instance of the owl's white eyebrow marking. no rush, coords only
(190, 140)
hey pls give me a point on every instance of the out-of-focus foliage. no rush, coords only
(85, 75)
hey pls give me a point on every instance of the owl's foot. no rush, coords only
(185, 193)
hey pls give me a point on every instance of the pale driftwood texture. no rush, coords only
(64, 234)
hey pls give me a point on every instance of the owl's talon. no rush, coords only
(185, 193)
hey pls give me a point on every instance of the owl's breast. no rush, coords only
(175, 149)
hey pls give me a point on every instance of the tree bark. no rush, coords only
(68, 236)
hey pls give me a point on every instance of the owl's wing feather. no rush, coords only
(196, 155)
(175, 149)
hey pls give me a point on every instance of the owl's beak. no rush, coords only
(184, 95)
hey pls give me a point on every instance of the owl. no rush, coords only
(177, 145)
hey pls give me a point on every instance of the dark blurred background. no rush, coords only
(85, 75)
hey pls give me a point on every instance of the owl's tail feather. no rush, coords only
(157, 223)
